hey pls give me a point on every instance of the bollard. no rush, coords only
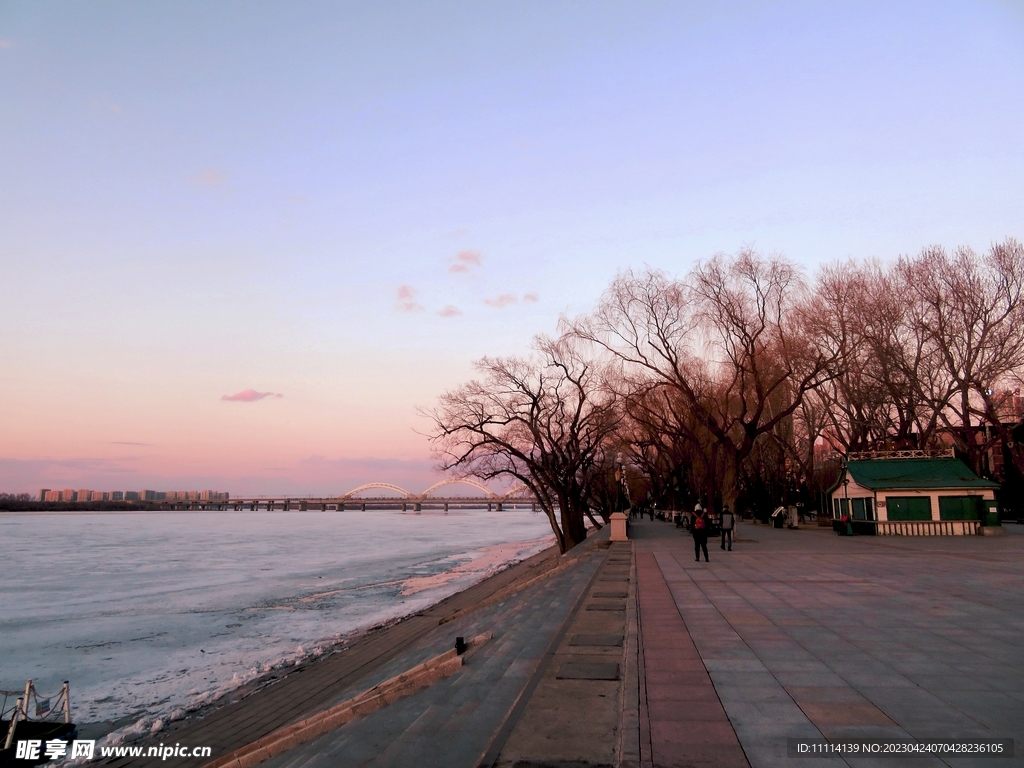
(618, 521)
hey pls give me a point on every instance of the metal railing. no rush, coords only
(926, 527)
(46, 708)
(926, 453)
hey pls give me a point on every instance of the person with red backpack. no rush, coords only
(699, 528)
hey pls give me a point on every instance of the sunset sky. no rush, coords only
(241, 242)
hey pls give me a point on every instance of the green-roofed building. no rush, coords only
(908, 493)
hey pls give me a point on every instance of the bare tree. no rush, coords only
(728, 342)
(968, 312)
(723, 381)
(923, 345)
(545, 420)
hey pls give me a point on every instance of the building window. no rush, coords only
(909, 507)
(961, 508)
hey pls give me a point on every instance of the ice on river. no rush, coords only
(148, 614)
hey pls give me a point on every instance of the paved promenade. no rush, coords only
(635, 655)
(807, 634)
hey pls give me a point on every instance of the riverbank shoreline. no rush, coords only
(352, 659)
(150, 615)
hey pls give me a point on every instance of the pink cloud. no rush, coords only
(6, 43)
(450, 311)
(466, 260)
(211, 177)
(250, 396)
(406, 301)
(531, 297)
(502, 301)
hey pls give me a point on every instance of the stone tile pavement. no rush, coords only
(682, 721)
(807, 634)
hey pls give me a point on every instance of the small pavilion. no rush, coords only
(914, 493)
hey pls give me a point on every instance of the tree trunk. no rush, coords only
(730, 485)
(573, 528)
(559, 536)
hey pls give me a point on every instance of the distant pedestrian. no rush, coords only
(699, 529)
(728, 523)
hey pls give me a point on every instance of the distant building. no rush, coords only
(86, 495)
(208, 495)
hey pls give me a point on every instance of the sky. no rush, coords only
(241, 242)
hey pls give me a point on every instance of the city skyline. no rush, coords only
(241, 246)
(89, 495)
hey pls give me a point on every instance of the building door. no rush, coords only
(961, 508)
(908, 507)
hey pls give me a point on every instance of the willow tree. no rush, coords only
(969, 312)
(544, 420)
(730, 341)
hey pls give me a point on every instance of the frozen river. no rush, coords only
(150, 613)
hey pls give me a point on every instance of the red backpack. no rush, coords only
(698, 523)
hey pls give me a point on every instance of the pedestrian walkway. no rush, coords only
(682, 720)
(577, 712)
(633, 655)
(806, 634)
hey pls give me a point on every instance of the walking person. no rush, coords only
(728, 523)
(699, 529)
